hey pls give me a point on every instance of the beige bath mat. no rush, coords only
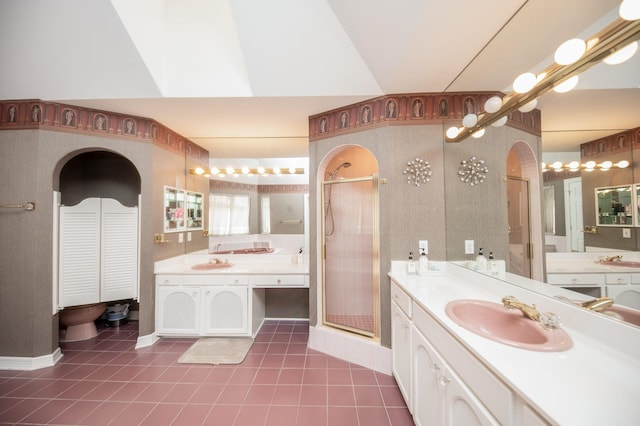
(217, 350)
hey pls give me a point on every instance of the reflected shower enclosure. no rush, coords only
(350, 254)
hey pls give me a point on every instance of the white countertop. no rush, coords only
(581, 263)
(241, 264)
(596, 382)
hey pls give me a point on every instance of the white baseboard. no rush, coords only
(350, 347)
(146, 341)
(30, 363)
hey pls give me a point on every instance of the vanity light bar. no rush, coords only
(589, 166)
(230, 171)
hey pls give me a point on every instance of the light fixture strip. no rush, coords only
(616, 35)
(267, 171)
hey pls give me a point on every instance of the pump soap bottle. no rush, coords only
(481, 262)
(411, 265)
(423, 263)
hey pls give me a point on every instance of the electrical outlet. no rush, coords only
(188, 236)
(181, 237)
(626, 233)
(468, 247)
(423, 244)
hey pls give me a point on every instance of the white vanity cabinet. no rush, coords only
(440, 397)
(442, 382)
(401, 342)
(202, 305)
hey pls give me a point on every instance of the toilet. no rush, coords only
(79, 321)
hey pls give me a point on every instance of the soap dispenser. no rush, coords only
(481, 262)
(493, 265)
(423, 263)
(411, 265)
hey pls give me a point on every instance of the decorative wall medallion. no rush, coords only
(418, 171)
(472, 171)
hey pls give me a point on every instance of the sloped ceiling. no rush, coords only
(240, 77)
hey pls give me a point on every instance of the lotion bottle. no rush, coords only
(423, 263)
(481, 262)
(411, 265)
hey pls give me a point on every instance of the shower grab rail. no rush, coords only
(29, 206)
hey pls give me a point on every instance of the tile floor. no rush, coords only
(281, 382)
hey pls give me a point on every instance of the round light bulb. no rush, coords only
(215, 171)
(452, 132)
(292, 170)
(500, 122)
(524, 82)
(590, 164)
(261, 170)
(570, 51)
(229, 170)
(573, 165)
(557, 165)
(470, 120)
(567, 85)
(478, 134)
(199, 170)
(630, 10)
(529, 106)
(493, 104)
(543, 165)
(276, 170)
(606, 165)
(245, 170)
(622, 164)
(622, 55)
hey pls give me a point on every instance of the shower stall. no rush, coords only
(350, 254)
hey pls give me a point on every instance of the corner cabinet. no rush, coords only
(441, 381)
(204, 305)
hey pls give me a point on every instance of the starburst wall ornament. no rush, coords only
(472, 171)
(418, 171)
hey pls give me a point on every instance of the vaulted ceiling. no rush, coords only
(241, 77)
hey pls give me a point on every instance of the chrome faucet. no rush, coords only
(530, 312)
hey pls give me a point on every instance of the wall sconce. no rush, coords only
(418, 171)
(245, 171)
(573, 57)
(472, 171)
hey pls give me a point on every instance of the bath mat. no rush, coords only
(217, 350)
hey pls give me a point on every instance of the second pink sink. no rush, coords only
(493, 321)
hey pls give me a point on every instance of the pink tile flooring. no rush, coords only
(281, 382)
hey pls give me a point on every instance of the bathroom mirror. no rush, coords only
(614, 206)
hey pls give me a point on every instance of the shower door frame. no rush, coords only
(375, 253)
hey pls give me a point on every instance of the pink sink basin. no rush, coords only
(250, 250)
(211, 265)
(630, 315)
(493, 321)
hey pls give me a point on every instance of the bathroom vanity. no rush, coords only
(442, 367)
(197, 297)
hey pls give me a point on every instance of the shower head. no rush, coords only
(335, 172)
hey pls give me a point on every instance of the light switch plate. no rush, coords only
(626, 233)
(188, 236)
(423, 244)
(181, 237)
(468, 247)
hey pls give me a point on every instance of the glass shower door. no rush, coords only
(351, 260)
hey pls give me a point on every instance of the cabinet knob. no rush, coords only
(620, 280)
(237, 281)
(405, 326)
(574, 280)
(435, 367)
(279, 281)
(444, 380)
(395, 296)
(208, 292)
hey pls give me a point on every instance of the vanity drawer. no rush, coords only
(281, 281)
(401, 298)
(576, 279)
(215, 279)
(167, 279)
(618, 279)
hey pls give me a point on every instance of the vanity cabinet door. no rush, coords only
(225, 310)
(428, 377)
(461, 407)
(178, 310)
(401, 352)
